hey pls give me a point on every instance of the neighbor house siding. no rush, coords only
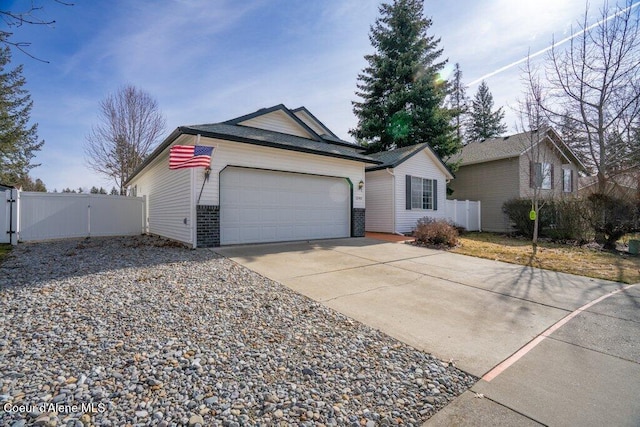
(277, 121)
(169, 193)
(546, 154)
(379, 193)
(420, 165)
(228, 153)
(493, 183)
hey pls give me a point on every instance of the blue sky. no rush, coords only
(209, 61)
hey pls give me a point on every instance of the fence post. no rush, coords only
(455, 211)
(466, 210)
(479, 216)
(89, 219)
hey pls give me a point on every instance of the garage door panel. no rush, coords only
(268, 206)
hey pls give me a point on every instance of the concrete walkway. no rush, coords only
(478, 313)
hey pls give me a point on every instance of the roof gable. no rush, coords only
(312, 121)
(510, 146)
(277, 119)
(393, 158)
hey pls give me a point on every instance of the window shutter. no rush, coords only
(408, 192)
(532, 174)
(435, 194)
(551, 173)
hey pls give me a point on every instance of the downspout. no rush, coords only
(393, 200)
(193, 210)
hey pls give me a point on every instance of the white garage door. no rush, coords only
(265, 206)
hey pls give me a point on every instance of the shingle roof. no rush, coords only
(392, 158)
(323, 145)
(493, 149)
(510, 146)
(275, 139)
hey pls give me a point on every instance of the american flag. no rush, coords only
(189, 156)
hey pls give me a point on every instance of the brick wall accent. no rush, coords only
(207, 226)
(357, 222)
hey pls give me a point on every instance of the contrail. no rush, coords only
(546, 49)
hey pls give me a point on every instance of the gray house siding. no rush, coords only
(547, 154)
(493, 183)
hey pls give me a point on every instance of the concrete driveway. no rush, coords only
(478, 313)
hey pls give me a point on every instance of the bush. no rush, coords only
(612, 218)
(569, 221)
(439, 232)
(518, 212)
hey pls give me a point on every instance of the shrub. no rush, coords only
(518, 212)
(569, 221)
(612, 218)
(430, 231)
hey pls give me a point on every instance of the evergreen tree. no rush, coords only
(401, 93)
(458, 101)
(29, 184)
(102, 191)
(114, 191)
(483, 121)
(18, 139)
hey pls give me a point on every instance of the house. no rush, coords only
(624, 185)
(275, 175)
(499, 169)
(409, 183)
(4, 187)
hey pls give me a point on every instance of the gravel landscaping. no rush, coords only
(141, 331)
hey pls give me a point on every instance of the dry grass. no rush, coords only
(583, 261)
(4, 251)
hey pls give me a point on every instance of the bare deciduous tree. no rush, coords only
(594, 88)
(130, 125)
(533, 120)
(28, 15)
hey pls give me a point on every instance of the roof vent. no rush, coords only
(505, 138)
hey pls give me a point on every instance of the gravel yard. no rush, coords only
(139, 331)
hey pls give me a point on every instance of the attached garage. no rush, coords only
(259, 206)
(275, 175)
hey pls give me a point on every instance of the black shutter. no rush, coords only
(571, 187)
(408, 192)
(532, 175)
(435, 194)
(551, 173)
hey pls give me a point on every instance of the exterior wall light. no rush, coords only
(360, 185)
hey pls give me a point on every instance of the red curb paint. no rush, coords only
(500, 368)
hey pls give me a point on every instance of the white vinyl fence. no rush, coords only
(465, 213)
(43, 216)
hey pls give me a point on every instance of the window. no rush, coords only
(567, 180)
(422, 193)
(542, 175)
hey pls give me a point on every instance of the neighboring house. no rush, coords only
(409, 184)
(625, 185)
(4, 187)
(499, 169)
(276, 175)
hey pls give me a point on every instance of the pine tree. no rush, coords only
(402, 95)
(114, 191)
(458, 101)
(483, 121)
(18, 139)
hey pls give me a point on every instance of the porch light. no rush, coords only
(360, 185)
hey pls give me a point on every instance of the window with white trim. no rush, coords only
(543, 175)
(421, 193)
(567, 180)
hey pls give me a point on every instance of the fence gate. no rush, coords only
(8, 217)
